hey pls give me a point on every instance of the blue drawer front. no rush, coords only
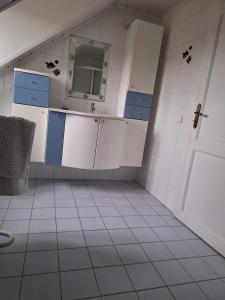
(139, 99)
(30, 97)
(54, 148)
(128, 112)
(137, 113)
(31, 81)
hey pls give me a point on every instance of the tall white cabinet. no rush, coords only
(141, 56)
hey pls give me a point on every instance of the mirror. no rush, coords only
(87, 69)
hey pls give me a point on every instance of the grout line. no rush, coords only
(25, 253)
(57, 241)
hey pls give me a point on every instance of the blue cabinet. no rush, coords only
(138, 106)
(31, 81)
(55, 138)
(30, 88)
(139, 99)
(137, 113)
(30, 97)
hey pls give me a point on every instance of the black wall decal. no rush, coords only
(187, 55)
(56, 72)
(52, 65)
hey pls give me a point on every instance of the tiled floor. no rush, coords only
(102, 240)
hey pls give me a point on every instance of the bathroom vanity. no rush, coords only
(86, 140)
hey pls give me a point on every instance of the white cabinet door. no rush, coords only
(134, 143)
(145, 56)
(109, 145)
(39, 115)
(80, 140)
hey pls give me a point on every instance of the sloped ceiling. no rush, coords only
(31, 22)
(154, 7)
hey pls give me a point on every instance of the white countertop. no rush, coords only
(79, 113)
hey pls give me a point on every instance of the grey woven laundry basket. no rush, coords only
(16, 139)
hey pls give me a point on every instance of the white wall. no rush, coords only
(106, 28)
(175, 98)
(30, 22)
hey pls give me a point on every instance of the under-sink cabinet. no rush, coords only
(92, 143)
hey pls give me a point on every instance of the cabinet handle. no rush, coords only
(33, 82)
(103, 121)
(96, 120)
(33, 98)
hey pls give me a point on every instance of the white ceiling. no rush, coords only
(155, 7)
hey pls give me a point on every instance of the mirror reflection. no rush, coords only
(88, 69)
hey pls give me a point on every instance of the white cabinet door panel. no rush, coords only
(109, 145)
(39, 115)
(134, 143)
(80, 140)
(145, 57)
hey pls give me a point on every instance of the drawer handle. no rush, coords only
(33, 98)
(139, 113)
(33, 82)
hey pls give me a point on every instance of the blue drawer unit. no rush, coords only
(55, 138)
(138, 106)
(139, 99)
(137, 113)
(30, 97)
(30, 88)
(31, 81)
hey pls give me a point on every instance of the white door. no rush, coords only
(203, 202)
(109, 145)
(39, 115)
(134, 143)
(80, 140)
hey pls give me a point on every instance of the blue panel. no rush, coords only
(31, 81)
(30, 97)
(137, 113)
(139, 99)
(55, 138)
(141, 113)
(128, 112)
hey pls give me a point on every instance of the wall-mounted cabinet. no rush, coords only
(39, 115)
(80, 138)
(92, 143)
(109, 143)
(141, 56)
(133, 143)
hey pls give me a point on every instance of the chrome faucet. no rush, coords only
(92, 110)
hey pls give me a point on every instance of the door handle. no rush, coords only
(197, 115)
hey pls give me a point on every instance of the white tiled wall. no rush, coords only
(106, 28)
(176, 97)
